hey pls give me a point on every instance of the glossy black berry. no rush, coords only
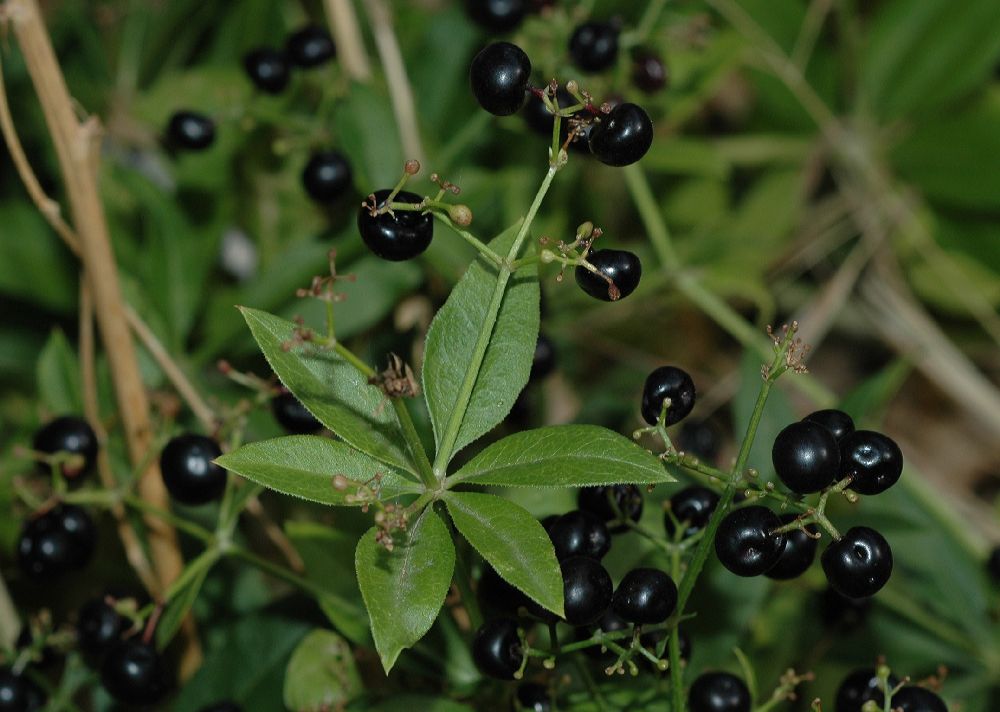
(18, 693)
(918, 699)
(190, 131)
(293, 416)
(645, 596)
(859, 564)
(544, 360)
(799, 552)
(623, 136)
(310, 47)
(597, 501)
(699, 438)
(497, 15)
(499, 76)
(993, 563)
(188, 471)
(494, 592)
(859, 687)
(134, 674)
(841, 612)
(836, 421)
(872, 459)
(667, 382)
(719, 692)
(621, 267)
(399, 235)
(496, 649)
(533, 697)
(538, 117)
(98, 628)
(268, 69)
(744, 542)
(692, 507)
(580, 533)
(594, 46)
(587, 590)
(649, 73)
(71, 435)
(224, 706)
(327, 176)
(60, 540)
(806, 457)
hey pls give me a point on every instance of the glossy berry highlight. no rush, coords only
(19, 693)
(744, 541)
(532, 697)
(618, 274)
(188, 470)
(859, 687)
(134, 674)
(806, 457)
(692, 507)
(499, 76)
(327, 176)
(623, 136)
(60, 540)
(667, 382)
(310, 47)
(496, 649)
(839, 423)
(649, 73)
(645, 596)
(398, 235)
(268, 69)
(580, 533)
(859, 564)
(874, 461)
(593, 46)
(587, 590)
(799, 552)
(68, 434)
(190, 131)
(719, 692)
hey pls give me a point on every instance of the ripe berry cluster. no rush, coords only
(866, 685)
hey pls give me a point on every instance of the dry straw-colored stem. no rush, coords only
(350, 46)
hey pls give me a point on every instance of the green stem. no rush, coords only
(480, 246)
(195, 568)
(450, 436)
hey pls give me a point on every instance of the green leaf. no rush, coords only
(513, 541)
(305, 465)
(423, 703)
(451, 345)
(870, 399)
(563, 456)
(34, 266)
(921, 55)
(58, 375)
(404, 588)
(366, 132)
(332, 390)
(321, 673)
(327, 554)
(179, 606)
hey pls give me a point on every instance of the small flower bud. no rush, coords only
(460, 214)
(572, 87)
(339, 483)
(547, 256)
(412, 167)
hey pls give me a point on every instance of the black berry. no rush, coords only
(533, 697)
(806, 457)
(618, 275)
(60, 540)
(699, 438)
(587, 590)
(580, 533)
(610, 622)
(744, 542)
(799, 552)
(859, 564)
(499, 76)
(993, 563)
(293, 416)
(326, 176)
(537, 115)
(859, 687)
(649, 73)
(499, 595)
(496, 649)
(188, 471)
(98, 627)
(597, 501)
(594, 46)
(72, 435)
(872, 459)
(18, 693)
(268, 69)
(667, 382)
(719, 692)
(310, 47)
(841, 612)
(692, 507)
(645, 596)
(623, 136)
(497, 15)
(191, 131)
(133, 673)
(399, 235)
(918, 699)
(544, 361)
(836, 421)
